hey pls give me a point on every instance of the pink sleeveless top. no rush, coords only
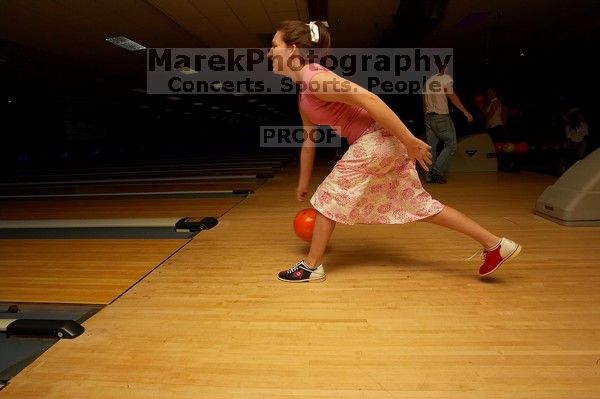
(349, 120)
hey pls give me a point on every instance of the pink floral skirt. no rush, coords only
(374, 183)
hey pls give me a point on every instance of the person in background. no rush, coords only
(438, 122)
(495, 116)
(577, 133)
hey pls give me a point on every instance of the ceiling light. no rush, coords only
(125, 43)
(186, 70)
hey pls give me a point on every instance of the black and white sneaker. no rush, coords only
(301, 273)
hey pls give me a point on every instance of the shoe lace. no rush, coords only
(294, 268)
(482, 253)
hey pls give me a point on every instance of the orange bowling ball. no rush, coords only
(304, 223)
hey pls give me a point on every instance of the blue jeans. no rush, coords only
(440, 127)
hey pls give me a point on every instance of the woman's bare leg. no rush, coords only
(455, 220)
(321, 234)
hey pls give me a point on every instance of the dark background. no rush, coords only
(69, 98)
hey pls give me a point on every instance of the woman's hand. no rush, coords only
(419, 151)
(301, 193)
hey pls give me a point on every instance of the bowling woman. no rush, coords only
(376, 181)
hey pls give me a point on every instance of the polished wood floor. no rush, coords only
(402, 314)
(81, 271)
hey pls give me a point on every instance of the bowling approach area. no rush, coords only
(402, 313)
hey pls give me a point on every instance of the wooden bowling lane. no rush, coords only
(207, 173)
(69, 208)
(132, 187)
(77, 271)
(151, 168)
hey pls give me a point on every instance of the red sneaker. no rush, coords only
(493, 258)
